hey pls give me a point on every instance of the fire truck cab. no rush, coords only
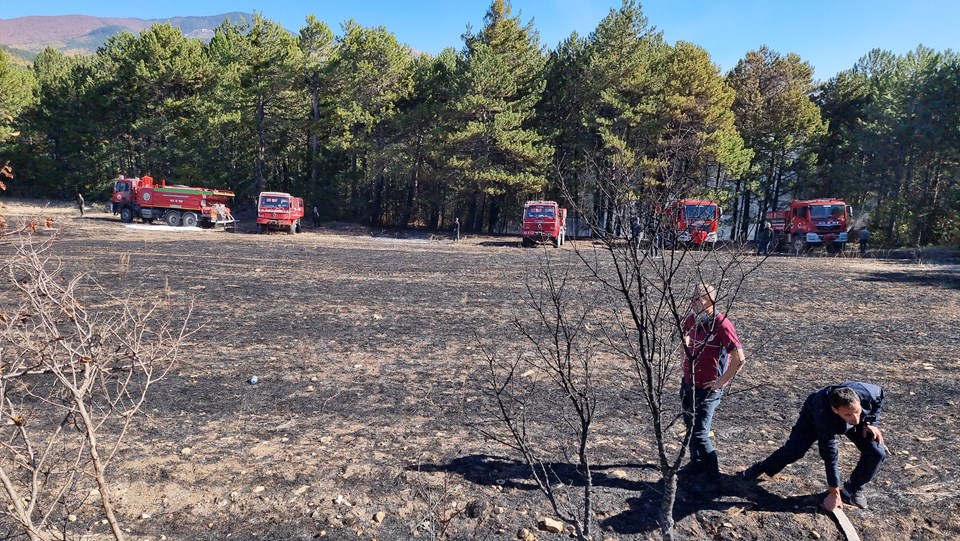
(693, 222)
(544, 221)
(811, 223)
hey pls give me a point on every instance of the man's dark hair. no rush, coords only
(843, 397)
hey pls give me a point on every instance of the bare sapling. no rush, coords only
(647, 277)
(543, 400)
(76, 366)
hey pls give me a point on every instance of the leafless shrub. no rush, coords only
(543, 401)
(72, 380)
(622, 303)
(124, 266)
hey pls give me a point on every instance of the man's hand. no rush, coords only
(832, 501)
(873, 433)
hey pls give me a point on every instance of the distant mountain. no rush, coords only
(23, 37)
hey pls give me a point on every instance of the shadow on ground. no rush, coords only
(643, 498)
(946, 279)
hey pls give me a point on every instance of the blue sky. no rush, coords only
(831, 34)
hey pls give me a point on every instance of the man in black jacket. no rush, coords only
(851, 408)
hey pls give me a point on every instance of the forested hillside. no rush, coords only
(373, 132)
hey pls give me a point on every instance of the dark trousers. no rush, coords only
(804, 435)
(699, 405)
(863, 246)
(763, 244)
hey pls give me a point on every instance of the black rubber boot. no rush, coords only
(711, 466)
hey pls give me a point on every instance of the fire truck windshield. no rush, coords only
(827, 211)
(699, 212)
(274, 202)
(540, 211)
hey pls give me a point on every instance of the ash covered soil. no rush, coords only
(362, 422)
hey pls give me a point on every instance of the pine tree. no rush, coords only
(495, 146)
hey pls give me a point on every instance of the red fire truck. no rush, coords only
(811, 223)
(277, 210)
(693, 222)
(175, 205)
(544, 221)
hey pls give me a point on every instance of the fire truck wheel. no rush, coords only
(834, 248)
(126, 215)
(299, 227)
(799, 245)
(525, 242)
(172, 218)
(189, 219)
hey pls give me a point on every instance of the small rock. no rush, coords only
(258, 489)
(550, 525)
(476, 509)
(254, 380)
(145, 516)
(498, 510)
(379, 517)
(301, 490)
(526, 535)
(234, 495)
(186, 451)
(313, 379)
(815, 534)
(72, 518)
(310, 388)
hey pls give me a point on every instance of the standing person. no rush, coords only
(851, 408)
(864, 240)
(316, 216)
(456, 229)
(763, 238)
(80, 202)
(635, 230)
(712, 357)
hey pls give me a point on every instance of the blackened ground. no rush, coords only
(365, 351)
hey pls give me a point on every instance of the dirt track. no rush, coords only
(364, 351)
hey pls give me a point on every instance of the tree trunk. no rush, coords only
(472, 212)
(666, 505)
(261, 147)
(314, 142)
(413, 186)
(494, 214)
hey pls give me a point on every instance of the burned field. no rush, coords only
(362, 423)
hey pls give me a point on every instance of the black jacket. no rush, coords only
(829, 425)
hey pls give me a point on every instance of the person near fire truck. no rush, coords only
(712, 357)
